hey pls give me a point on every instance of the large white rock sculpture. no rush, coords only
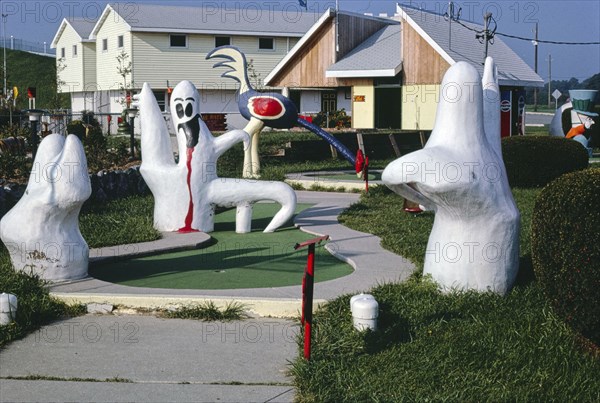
(186, 193)
(41, 232)
(460, 175)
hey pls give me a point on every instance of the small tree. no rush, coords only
(124, 68)
(254, 76)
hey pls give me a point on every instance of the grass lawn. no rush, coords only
(118, 222)
(430, 346)
(253, 260)
(36, 307)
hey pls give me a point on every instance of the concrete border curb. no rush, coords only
(372, 266)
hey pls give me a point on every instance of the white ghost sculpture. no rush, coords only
(41, 232)
(186, 193)
(460, 175)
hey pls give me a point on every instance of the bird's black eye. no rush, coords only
(189, 110)
(179, 109)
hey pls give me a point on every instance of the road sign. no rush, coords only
(556, 94)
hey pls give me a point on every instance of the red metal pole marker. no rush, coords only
(307, 290)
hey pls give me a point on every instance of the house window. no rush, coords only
(266, 44)
(178, 41)
(120, 41)
(74, 50)
(62, 52)
(222, 41)
(161, 99)
(104, 45)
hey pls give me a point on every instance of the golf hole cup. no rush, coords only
(8, 308)
(365, 311)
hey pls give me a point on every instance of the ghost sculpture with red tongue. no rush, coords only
(186, 193)
(460, 175)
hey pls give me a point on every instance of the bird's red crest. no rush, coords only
(265, 107)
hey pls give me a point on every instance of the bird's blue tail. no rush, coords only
(330, 139)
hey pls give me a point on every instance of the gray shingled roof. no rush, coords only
(82, 26)
(512, 70)
(381, 51)
(244, 21)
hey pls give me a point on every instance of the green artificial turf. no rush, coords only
(253, 260)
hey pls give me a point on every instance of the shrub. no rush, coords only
(338, 119)
(14, 166)
(99, 153)
(77, 127)
(536, 161)
(566, 248)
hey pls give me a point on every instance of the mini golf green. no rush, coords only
(343, 176)
(254, 260)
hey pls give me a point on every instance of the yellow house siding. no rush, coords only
(106, 61)
(155, 61)
(72, 75)
(363, 113)
(89, 66)
(419, 106)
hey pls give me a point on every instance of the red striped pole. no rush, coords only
(308, 291)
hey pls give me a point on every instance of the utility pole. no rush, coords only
(449, 16)
(535, 47)
(337, 29)
(4, 18)
(549, 80)
(486, 33)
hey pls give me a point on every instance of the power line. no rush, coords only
(478, 31)
(550, 42)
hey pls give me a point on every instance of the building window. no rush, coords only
(161, 99)
(120, 41)
(104, 45)
(178, 41)
(266, 44)
(222, 41)
(74, 50)
(62, 52)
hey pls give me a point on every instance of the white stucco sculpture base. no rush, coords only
(460, 176)
(41, 232)
(186, 193)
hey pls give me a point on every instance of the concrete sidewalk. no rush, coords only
(143, 358)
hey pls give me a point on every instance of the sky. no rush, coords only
(566, 21)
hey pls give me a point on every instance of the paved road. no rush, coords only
(156, 360)
(538, 118)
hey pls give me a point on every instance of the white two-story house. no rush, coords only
(76, 62)
(167, 44)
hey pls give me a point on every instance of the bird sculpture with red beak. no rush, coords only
(274, 110)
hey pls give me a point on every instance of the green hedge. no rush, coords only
(566, 248)
(536, 161)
